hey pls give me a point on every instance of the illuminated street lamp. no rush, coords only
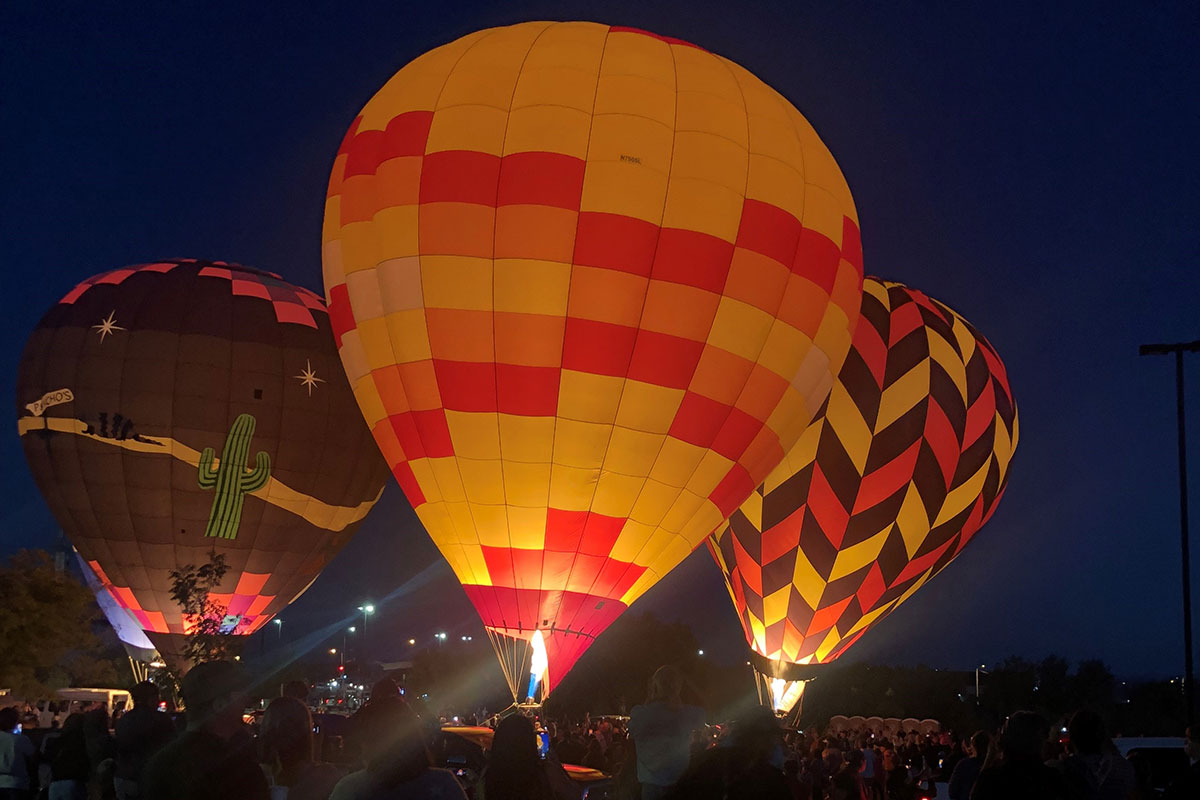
(412, 642)
(278, 629)
(367, 610)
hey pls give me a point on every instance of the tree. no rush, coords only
(46, 628)
(191, 589)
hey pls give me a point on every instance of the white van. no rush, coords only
(113, 699)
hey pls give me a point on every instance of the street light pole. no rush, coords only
(1178, 349)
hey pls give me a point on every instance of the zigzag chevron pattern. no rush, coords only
(906, 461)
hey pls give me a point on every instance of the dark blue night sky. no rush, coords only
(1034, 168)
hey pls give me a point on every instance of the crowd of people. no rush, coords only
(662, 751)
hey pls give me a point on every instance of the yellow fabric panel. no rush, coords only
(369, 401)
(483, 480)
(527, 439)
(549, 128)
(581, 444)
(490, 522)
(676, 462)
(636, 96)
(773, 181)
(759, 632)
(632, 452)
(702, 523)
(831, 640)
(685, 505)
(724, 117)
(964, 337)
(784, 350)
(588, 397)
(568, 45)
(616, 494)
(486, 74)
(855, 557)
(417, 85)
(962, 496)
(708, 473)
(526, 485)
(804, 452)
(571, 89)
(395, 232)
(445, 472)
(752, 510)
(912, 521)
(533, 287)
(740, 328)
(397, 283)
(808, 581)
(527, 526)
(775, 605)
(475, 435)
(834, 335)
(457, 282)
(821, 170)
(477, 128)
(704, 206)
(359, 247)
(426, 480)
(822, 212)
(572, 488)
(868, 618)
(709, 157)
(633, 54)
(631, 540)
(653, 502)
(848, 423)
(375, 342)
(365, 296)
(616, 135)
(624, 188)
(905, 393)
(647, 407)
(406, 339)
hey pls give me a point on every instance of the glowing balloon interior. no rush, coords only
(589, 285)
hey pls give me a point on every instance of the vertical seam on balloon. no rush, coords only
(566, 311)
(708, 449)
(625, 379)
(407, 458)
(495, 368)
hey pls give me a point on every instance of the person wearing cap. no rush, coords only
(206, 761)
(140, 733)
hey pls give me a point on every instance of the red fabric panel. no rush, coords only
(769, 230)
(615, 242)
(665, 360)
(528, 391)
(692, 258)
(466, 385)
(545, 179)
(600, 348)
(460, 176)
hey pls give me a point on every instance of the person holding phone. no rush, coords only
(16, 757)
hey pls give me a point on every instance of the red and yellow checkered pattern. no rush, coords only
(589, 284)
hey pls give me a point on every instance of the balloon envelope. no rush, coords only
(177, 409)
(589, 284)
(906, 462)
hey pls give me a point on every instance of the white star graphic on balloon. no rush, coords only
(107, 325)
(308, 377)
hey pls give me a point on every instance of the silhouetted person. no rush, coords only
(662, 729)
(967, 770)
(748, 767)
(69, 766)
(398, 762)
(16, 757)
(1019, 771)
(1095, 768)
(140, 733)
(286, 741)
(1187, 786)
(516, 771)
(207, 760)
(297, 689)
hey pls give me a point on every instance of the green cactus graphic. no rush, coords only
(232, 479)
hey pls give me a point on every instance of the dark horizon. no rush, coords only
(1028, 170)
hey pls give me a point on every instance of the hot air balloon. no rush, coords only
(905, 463)
(173, 410)
(589, 284)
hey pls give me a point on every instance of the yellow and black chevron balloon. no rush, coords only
(906, 461)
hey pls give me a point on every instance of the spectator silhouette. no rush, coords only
(207, 761)
(966, 771)
(1095, 768)
(1015, 770)
(748, 767)
(16, 757)
(297, 689)
(69, 766)
(140, 733)
(515, 771)
(286, 740)
(1187, 786)
(662, 730)
(398, 763)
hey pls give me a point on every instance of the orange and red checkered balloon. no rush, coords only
(905, 463)
(589, 285)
